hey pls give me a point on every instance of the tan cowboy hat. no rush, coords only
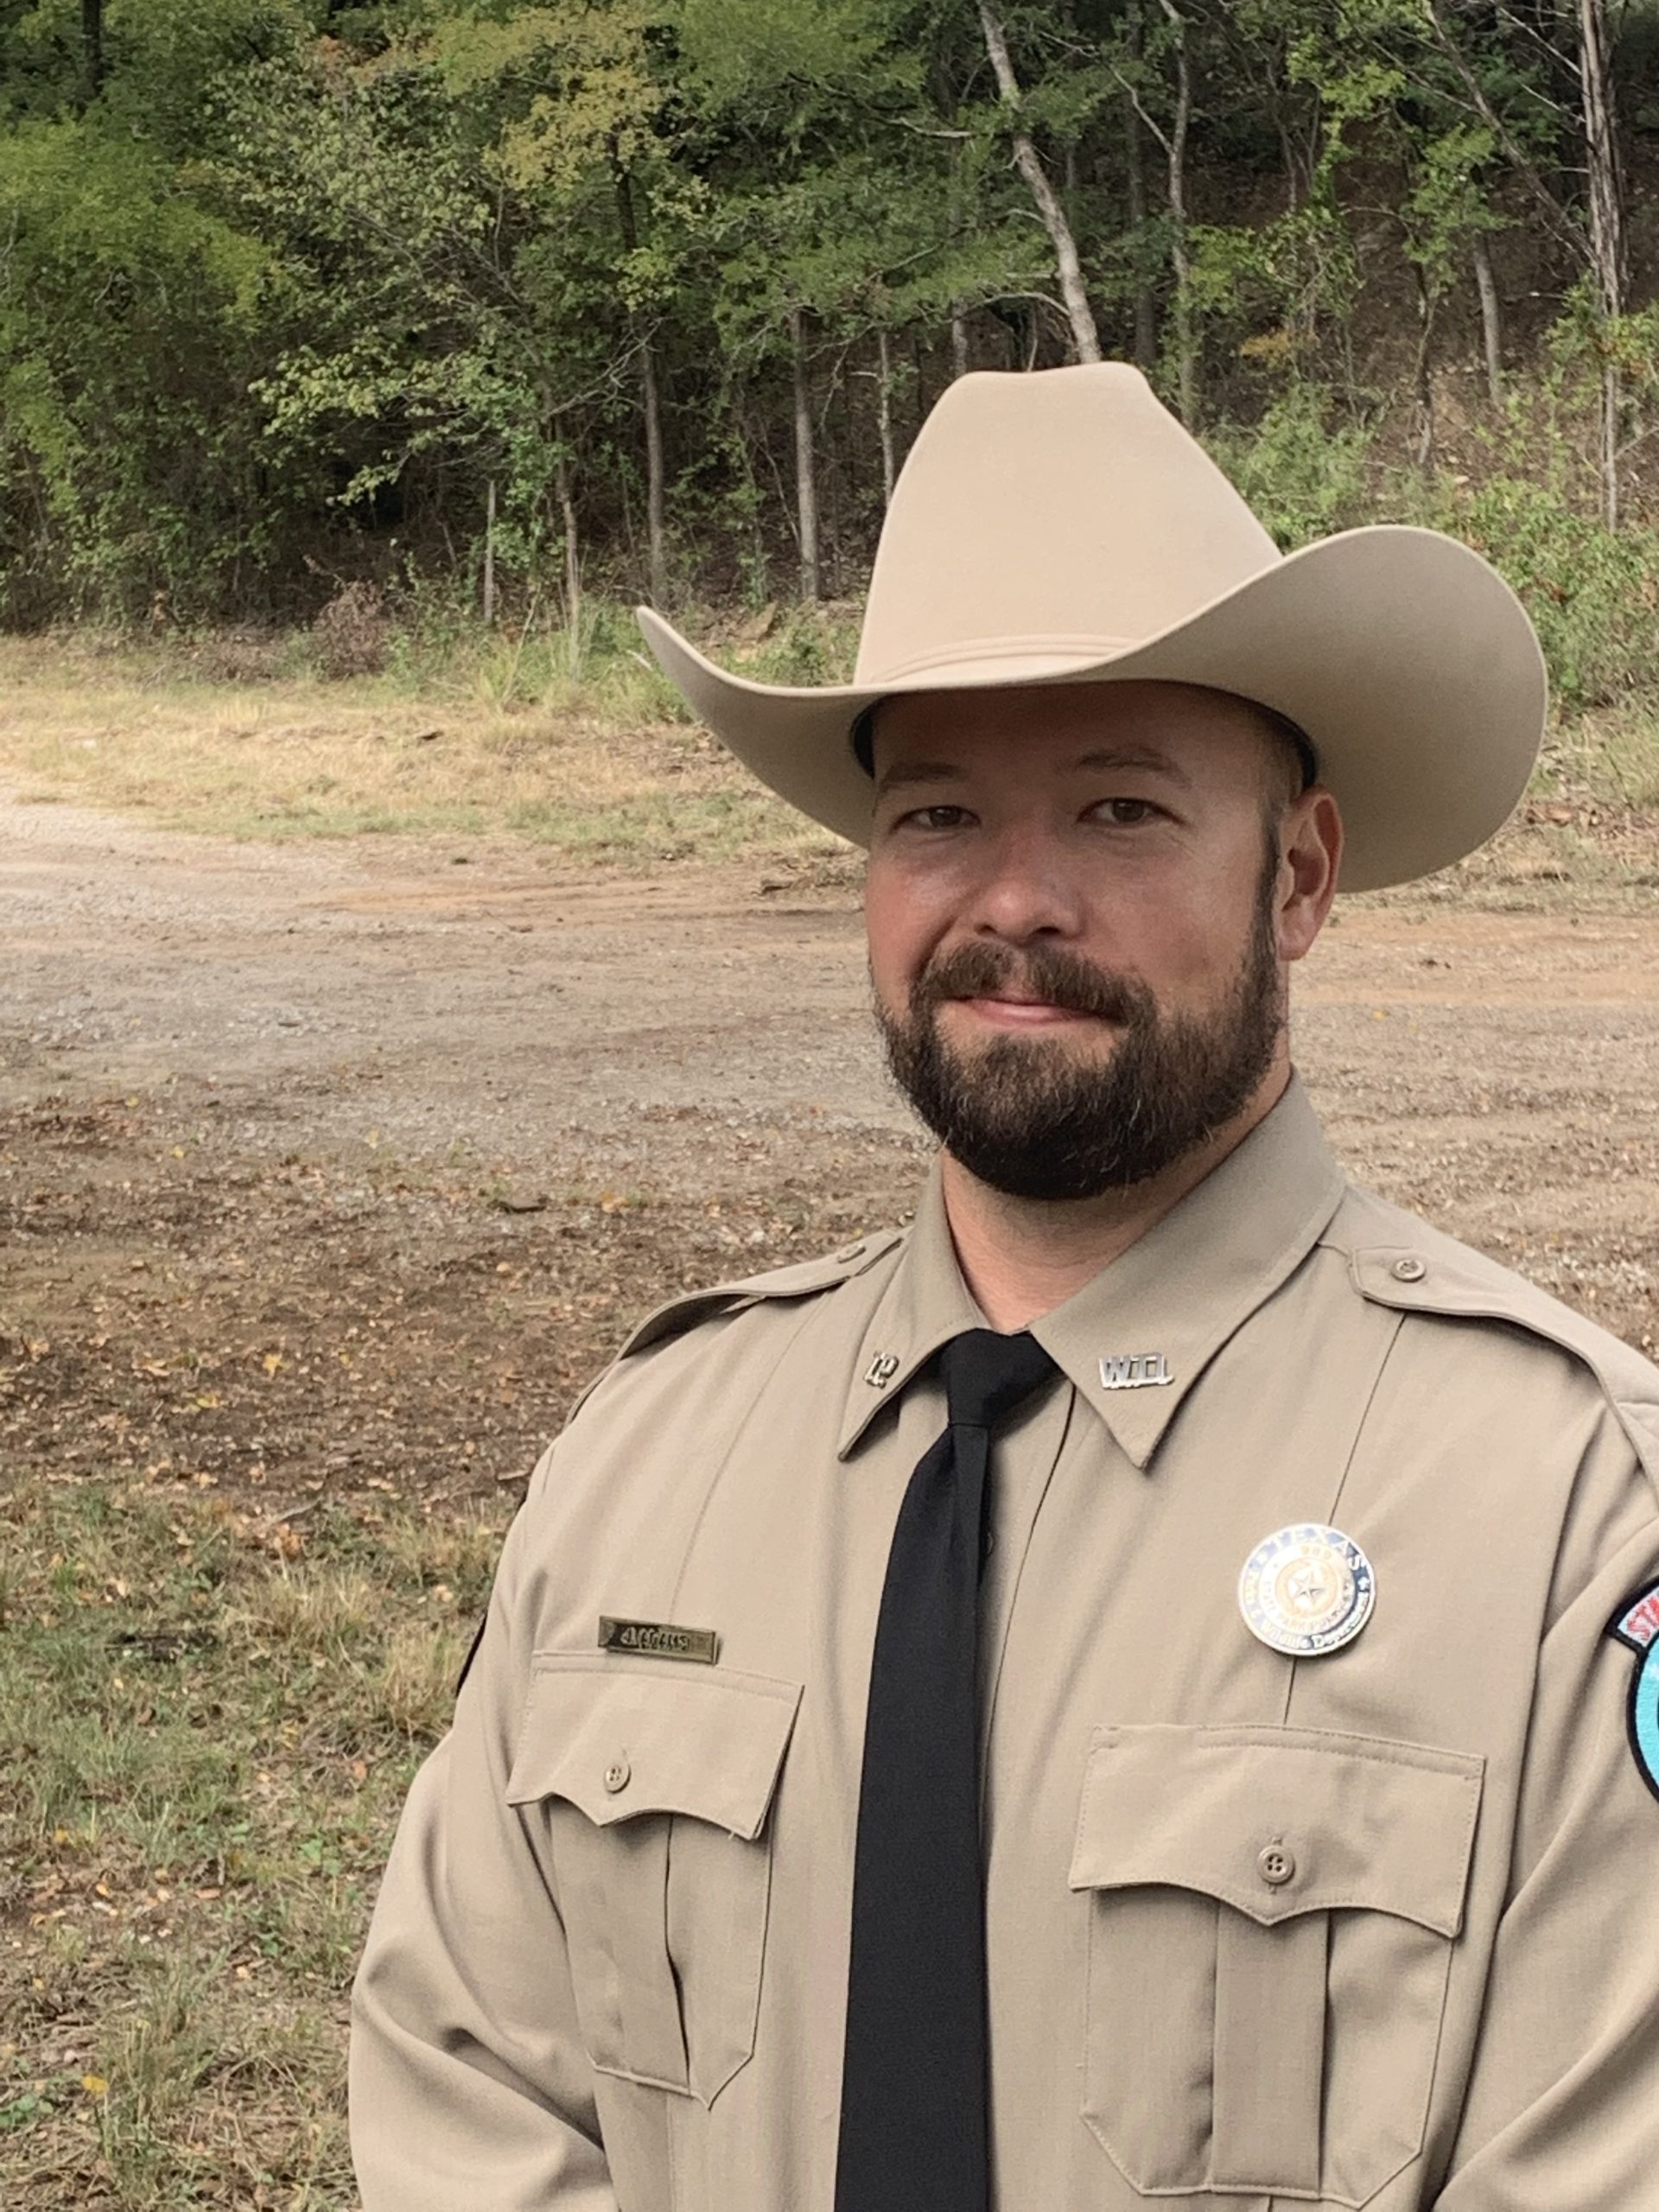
(1063, 527)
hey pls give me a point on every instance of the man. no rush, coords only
(1144, 1689)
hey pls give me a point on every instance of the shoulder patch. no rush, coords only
(803, 1279)
(1636, 1624)
(1428, 1273)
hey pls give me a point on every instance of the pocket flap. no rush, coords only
(619, 1737)
(1278, 1822)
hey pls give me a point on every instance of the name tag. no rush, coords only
(657, 1640)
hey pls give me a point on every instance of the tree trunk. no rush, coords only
(489, 555)
(1186, 359)
(806, 481)
(958, 341)
(572, 566)
(92, 50)
(656, 523)
(760, 565)
(656, 501)
(1146, 318)
(1607, 258)
(884, 416)
(1085, 339)
(1423, 380)
(1492, 318)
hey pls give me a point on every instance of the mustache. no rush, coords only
(1044, 971)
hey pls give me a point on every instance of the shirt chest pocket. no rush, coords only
(1272, 1912)
(647, 1788)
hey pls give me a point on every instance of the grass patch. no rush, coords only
(586, 753)
(207, 1724)
(597, 771)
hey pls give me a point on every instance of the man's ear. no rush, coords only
(1310, 848)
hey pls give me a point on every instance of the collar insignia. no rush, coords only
(1133, 1371)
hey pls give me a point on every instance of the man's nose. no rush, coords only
(1027, 889)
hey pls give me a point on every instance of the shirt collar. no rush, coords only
(1136, 1338)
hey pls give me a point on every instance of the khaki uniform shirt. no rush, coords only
(1378, 1928)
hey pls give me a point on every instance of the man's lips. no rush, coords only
(1021, 1012)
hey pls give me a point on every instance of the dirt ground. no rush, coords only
(337, 1168)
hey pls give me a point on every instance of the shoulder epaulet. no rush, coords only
(1418, 1270)
(804, 1279)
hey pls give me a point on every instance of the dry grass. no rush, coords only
(597, 773)
(479, 738)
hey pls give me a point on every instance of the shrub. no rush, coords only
(349, 636)
(1593, 596)
(1304, 473)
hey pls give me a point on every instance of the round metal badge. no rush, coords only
(1307, 1590)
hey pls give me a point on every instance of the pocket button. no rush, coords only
(618, 1775)
(1276, 1866)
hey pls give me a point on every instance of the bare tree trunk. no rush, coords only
(1607, 258)
(489, 555)
(656, 518)
(572, 566)
(1084, 338)
(959, 359)
(1423, 380)
(884, 415)
(1135, 178)
(1492, 318)
(806, 481)
(1187, 359)
(656, 499)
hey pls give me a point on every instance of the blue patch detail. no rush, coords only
(1636, 1626)
(1644, 1718)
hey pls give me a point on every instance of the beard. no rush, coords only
(1033, 1119)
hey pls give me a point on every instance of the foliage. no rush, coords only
(293, 295)
(1593, 594)
(1304, 473)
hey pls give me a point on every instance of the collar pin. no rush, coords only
(1133, 1371)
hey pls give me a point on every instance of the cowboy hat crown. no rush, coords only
(1063, 527)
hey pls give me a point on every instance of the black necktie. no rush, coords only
(913, 2091)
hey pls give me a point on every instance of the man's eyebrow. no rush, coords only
(1108, 758)
(904, 775)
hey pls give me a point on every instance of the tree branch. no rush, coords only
(1489, 115)
(1085, 336)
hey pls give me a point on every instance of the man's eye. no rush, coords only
(937, 817)
(1125, 812)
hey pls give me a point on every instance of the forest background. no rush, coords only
(426, 312)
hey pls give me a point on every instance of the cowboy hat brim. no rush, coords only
(1403, 655)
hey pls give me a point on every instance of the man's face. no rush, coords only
(1079, 906)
